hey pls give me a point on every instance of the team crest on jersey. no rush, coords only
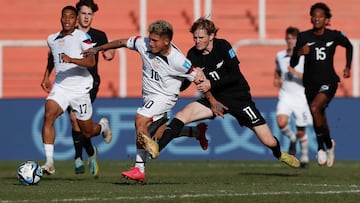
(232, 53)
(61, 43)
(218, 65)
(155, 63)
(329, 43)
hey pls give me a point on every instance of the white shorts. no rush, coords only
(80, 103)
(300, 111)
(156, 106)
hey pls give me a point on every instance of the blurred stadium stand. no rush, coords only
(23, 67)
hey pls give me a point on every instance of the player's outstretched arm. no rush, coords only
(110, 45)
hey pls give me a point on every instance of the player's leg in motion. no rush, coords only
(194, 111)
(52, 111)
(287, 131)
(304, 147)
(78, 140)
(172, 131)
(317, 108)
(264, 134)
(145, 146)
(198, 132)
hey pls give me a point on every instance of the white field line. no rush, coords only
(183, 196)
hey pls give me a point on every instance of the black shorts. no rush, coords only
(329, 89)
(94, 91)
(244, 111)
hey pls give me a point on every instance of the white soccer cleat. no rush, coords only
(48, 169)
(331, 155)
(321, 157)
(107, 134)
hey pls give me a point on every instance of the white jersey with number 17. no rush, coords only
(69, 75)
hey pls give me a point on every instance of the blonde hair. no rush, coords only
(162, 28)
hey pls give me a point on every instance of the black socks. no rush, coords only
(79, 142)
(172, 131)
(276, 150)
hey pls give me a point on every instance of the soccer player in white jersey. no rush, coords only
(292, 101)
(72, 84)
(86, 12)
(164, 70)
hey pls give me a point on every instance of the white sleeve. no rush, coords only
(131, 43)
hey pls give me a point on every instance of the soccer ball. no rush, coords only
(29, 173)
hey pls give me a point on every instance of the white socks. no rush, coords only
(141, 156)
(304, 147)
(49, 153)
(289, 133)
(102, 127)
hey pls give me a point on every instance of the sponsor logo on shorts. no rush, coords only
(324, 88)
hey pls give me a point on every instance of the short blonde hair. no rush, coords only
(162, 28)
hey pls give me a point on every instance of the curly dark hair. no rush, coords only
(70, 8)
(322, 6)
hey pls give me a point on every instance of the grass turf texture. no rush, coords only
(189, 181)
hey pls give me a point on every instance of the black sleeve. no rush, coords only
(294, 60)
(102, 39)
(232, 67)
(345, 42)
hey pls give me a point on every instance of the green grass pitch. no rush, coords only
(189, 181)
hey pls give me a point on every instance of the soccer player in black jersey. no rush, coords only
(319, 78)
(86, 10)
(227, 84)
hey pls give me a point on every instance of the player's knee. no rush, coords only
(87, 133)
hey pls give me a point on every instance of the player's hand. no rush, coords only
(218, 108)
(277, 82)
(304, 50)
(204, 86)
(65, 58)
(45, 84)
(200, 76)
(108, 54)
(346, 73)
